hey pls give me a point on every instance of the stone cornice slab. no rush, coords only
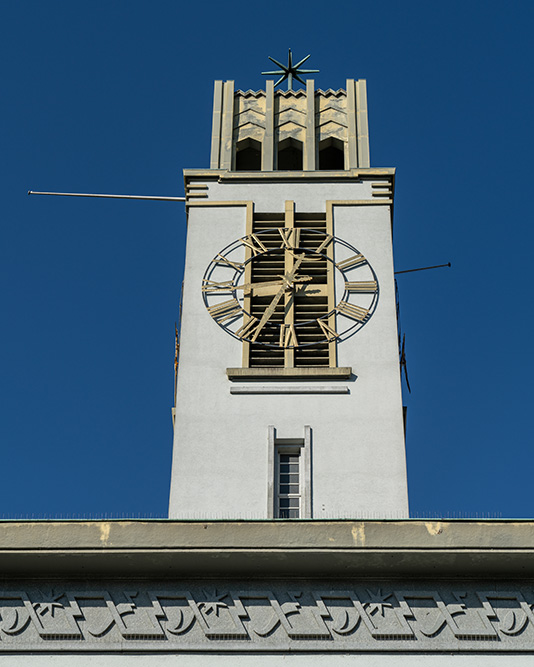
(164, 548)
(301, 373)
(223, 175)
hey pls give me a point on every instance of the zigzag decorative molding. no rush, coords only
(289, 126)
(331, 118)
(250, 110)
(332, 107)
(249, 119)
(290, 113)
(340, 92)
(291, 93)
(248, 131)
(250, 93)
(269, 616)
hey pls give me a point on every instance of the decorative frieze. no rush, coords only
(348, 616)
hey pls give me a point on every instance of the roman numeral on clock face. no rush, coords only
(362, 287)
(354, 312)
(325, 243)
(211, 286)
(328, 332)
(288, 336)
(248, 329)
(221, 259)
(290, 238)
(254, 243)
(225, 310)
(351, 262)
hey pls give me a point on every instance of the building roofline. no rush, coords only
(340, 548)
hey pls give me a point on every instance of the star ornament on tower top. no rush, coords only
(290, 71)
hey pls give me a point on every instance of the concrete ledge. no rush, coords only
(346, 174)
(167, 548)
(289, 389)
(311, 373)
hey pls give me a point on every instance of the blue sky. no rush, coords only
(116, 97)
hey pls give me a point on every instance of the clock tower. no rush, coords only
(288, 394)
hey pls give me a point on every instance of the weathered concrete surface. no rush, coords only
(459, 548)
(253, 660)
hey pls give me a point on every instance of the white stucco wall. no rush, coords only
(220, 460)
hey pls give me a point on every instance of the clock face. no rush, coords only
(290, 288)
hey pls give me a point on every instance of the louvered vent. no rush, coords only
(306, 308)
(311, 307)
(270, 267)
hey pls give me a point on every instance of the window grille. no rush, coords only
(289, 490)
(288, 484)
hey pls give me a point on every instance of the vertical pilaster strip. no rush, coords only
(331, 287)
(362, 126)
(352, 137)
(271, 471)
(309, 146)
(216, 125)
(227, 125)
(290, 214)
(267, 150)
(289, 259)
(307, 510)
(249, 228)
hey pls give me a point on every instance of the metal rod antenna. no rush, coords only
(424, 268)
(83, 194)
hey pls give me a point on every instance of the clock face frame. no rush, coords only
(225, 292)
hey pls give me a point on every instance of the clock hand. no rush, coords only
(288, 279)
(270, 310)
(316, 289)
(259, 287)
(248, 287)
(296, 266)
(266, 291)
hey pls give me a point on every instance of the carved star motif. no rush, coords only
(290, 71)
(215, 603)
(377, 602)
(48, 607)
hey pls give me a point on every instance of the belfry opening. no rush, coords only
(290, 155)
(331, 155)
(248, 155)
